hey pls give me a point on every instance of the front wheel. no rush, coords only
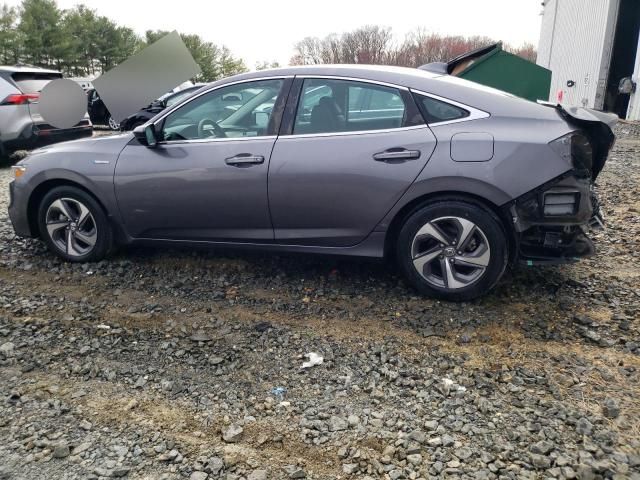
(453, 250)
(73, 225)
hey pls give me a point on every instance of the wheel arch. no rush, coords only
(38, 193)
(418, 202)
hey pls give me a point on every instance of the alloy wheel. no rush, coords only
(71, 226)
(113, 125)
(450, 252)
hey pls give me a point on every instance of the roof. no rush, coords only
(380, 73)
(439, 84)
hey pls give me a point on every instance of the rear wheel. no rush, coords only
(453, 250)
(73, 225)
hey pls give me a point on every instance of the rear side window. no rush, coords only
(329, 105)
(438, 111)
(33, 82)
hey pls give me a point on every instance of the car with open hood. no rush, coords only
(154, 108)
(451, 179)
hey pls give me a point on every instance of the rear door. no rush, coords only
(347, 152)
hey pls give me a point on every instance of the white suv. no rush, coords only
(21, 125)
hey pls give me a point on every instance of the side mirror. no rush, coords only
(147, 135)
(150, 134)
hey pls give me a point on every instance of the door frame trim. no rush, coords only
(356, 132)
(215, 140)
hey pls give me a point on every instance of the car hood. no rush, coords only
(94, 146)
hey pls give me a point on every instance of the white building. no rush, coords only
(590, 46)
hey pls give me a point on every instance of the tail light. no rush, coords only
(581, 153)
(20, 98)
(576, 150)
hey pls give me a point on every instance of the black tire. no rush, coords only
(112, 124)
(103, 232)
(493, 234)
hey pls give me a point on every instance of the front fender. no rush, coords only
(99, 182)
(30, 188)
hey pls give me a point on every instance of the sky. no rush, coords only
(266, 30)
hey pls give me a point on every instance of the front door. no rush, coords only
(207, 177)
(354, 149)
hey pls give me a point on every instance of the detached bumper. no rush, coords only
(550, 221)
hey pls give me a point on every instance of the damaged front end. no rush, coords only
(550, 221)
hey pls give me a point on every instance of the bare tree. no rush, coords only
(368, 44)
(374, 45)
(527, 51)
(308, 52)
(331, 49)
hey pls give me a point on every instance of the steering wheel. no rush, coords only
(202, 133)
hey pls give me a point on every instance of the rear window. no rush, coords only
(33, 82)
(438, 111)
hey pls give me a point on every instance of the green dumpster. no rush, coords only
(494, 67)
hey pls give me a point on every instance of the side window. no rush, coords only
(328, 106)
(439, 111)
(241, 110)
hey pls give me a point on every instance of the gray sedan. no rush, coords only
(451, 179)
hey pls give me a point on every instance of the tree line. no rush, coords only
(373, 44)
(80, 43)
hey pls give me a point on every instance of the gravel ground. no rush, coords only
(187, 365)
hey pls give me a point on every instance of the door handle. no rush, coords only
(244, 159)
(396, 154)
